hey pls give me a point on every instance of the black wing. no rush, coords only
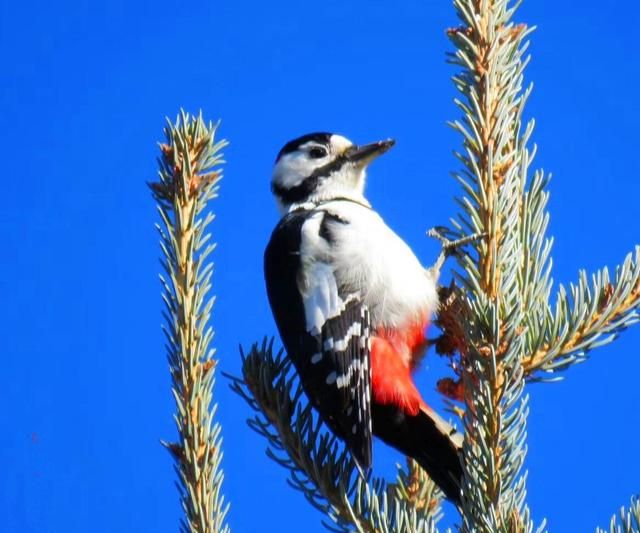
(325, 331)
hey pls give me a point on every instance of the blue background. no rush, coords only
(84, 385)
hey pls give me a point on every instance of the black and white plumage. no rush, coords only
(351, 302)
(325, 332)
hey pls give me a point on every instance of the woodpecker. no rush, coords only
(351, 302)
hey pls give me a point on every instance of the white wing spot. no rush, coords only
(345, 379)
(316, 358)
(342, 344)
(331, 378)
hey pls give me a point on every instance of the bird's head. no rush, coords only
(320, 167)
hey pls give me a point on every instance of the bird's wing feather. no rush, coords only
(324, 328)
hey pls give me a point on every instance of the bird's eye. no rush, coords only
(317, 152)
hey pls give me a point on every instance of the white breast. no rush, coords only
(368, 257)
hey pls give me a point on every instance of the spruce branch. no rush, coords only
(188, 179)
(416, 487)
(317, 463)
(504, 328)
(629, 520)
(490, 54)
(587, 315)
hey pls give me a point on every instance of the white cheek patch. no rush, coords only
(292, 169)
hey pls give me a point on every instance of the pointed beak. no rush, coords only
(363, 155)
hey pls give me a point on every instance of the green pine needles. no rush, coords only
(502, 323)
(189, 174)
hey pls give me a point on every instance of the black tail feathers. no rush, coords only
(426, 438)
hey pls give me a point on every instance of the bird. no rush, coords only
(351, 302)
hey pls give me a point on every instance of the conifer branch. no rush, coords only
(416, 487)
(587, 315)
(500, 321)
(318, 464)
(629, 520)
(188, 177)
(490, 53)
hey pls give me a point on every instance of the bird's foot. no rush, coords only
(449, 247)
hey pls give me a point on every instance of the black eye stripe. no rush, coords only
(327, 169)
(302, 191)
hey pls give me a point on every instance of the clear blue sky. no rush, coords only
(84, 88)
